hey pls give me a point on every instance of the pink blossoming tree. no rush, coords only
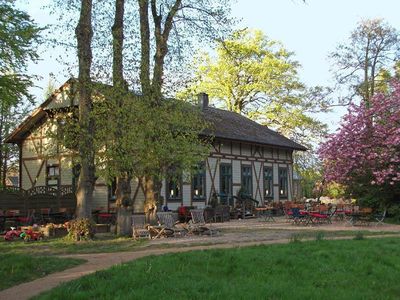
(364, 154)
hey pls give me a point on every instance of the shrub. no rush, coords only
(81, 229)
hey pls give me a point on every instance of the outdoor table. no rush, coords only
(266, 213)
(308, 216)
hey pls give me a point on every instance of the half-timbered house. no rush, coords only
(244, 155)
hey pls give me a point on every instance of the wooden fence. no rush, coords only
(40, 197)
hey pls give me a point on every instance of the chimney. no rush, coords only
(203, 100)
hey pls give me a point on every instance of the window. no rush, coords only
(283, 182)
(52, 175)
(174, 189)
(247, 184)
(199, 182)
(268, 183)
(225, 179)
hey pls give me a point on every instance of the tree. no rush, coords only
(10, 117)
(86, 179)
(164, 18)
(363, 155)
(359, 64)
(257, 77)
(19, 37)
(148, 135)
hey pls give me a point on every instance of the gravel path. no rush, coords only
(238, 233)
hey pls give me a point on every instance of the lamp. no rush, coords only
(196, 192)
(172, 193)
(266, 192)
(281, 192)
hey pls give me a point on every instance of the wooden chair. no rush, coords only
(139, 227)
(171, 224)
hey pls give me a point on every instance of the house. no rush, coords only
(244, 155)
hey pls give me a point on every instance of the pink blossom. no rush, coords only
(367, 142)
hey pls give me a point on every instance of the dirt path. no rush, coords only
(100, 261)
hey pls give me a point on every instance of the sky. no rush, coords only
(311, 30)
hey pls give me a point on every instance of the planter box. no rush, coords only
(54, 232)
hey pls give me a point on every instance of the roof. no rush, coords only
(233, 126)
(225, 124)
(37, 115)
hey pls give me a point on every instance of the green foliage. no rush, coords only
(394, 213)
(137, 137)
(310, 175)
(19, 36)
(20, 268)
(81, 230)
(258, 77)
(308, 270)
(335, 190)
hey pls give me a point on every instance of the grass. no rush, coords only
(340, 269)
(57, 246)
(19, 268)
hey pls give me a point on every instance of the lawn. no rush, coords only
(19, 268)
(342, 269)
(56, 246)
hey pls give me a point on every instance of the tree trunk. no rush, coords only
(86, 179)
(145, 46)
(150, 203)
(366, 77)
(2, 135)
(123, 191)
(124, 205)
(152, 89)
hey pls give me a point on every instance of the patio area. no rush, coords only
(257, 229)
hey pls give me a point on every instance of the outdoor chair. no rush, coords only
(297, 216)
(380, 217)
(198, 224)
(288, 214)
(139, 227)
(172, 227)
(209, 214)
(222, 213)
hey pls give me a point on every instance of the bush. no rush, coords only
(394, 213)
(81, 229)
